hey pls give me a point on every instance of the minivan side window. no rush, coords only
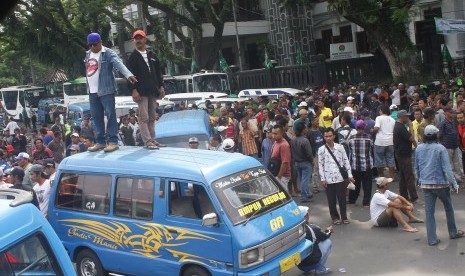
(134, 197)
(32, 256)
(84, 192)
(189, 200)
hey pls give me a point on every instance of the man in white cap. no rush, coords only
(387, 208)
(193, 143)
(434, 172)
(23, 161)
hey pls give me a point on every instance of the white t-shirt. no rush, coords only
(396, 97)
(11, 126)
(384, 137)
(43, 195)
(93, 71)
(379, 203)
(144, 55)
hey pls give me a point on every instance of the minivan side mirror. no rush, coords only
(210, 220)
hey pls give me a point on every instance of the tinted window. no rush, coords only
(84, 192)
(134, 198)
(189, 200)
(29, 257)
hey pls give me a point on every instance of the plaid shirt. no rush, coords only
(360, 146)
(249, 146)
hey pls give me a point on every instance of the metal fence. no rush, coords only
(295, 76)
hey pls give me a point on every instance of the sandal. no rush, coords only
(345, 221)
(460, 234)
(159, 144)
(151, 145)
(337, 222)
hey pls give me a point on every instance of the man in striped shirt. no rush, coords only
(360, 146)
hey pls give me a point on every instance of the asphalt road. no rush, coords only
(360, 249)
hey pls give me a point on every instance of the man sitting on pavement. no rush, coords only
(386, 208)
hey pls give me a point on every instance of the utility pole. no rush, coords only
(141, 16)
(237, 35)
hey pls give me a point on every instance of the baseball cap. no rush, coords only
(402, 113)
(400, 84)
(350, 98)
(392, 107)
(222, 128)
(193, 140)
(361, 124)
(93, 38)
(326, 91)
(303, 104)
(431, 130)
(448, 109)
(349, 109)
(36, 168)
(353, 87)
(228, 144)
(49, 163)
(75, 135)
(9, 148)
(274, 101)
(381, 181)
(22, 156)
(15, 171)
(140, 33)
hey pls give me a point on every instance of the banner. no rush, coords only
(449, 26)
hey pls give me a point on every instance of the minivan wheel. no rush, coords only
(88, 264)
(195, 271)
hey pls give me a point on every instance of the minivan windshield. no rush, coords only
(249, 193)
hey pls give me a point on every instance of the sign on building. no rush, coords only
(342, 51)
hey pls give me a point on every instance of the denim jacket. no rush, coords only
(108, 61)
(432, 165)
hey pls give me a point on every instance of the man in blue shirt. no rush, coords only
(435, 177)
(101, 86)
(449, 138)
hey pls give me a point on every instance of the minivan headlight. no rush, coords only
(251, 256)
(302, 230)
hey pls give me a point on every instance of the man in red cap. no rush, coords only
(146, 67)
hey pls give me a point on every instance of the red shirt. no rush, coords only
(461, 131)
(282, 150)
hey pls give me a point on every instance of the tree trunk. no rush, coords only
(196, 48)
(212, 62)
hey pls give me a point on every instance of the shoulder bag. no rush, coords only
(342, 170)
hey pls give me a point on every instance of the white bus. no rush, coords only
(207, 81)
(75, 91)
(15, 99)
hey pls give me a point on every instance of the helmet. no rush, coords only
(228, 144)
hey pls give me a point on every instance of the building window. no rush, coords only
(346, 33)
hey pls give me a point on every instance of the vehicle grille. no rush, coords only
(281, 243)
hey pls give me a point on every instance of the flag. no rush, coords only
(194, 67)
(446, 54)
(268, 64)
(448, 26)
(223, 64)
(299, 56)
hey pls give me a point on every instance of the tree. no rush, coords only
(385, 23)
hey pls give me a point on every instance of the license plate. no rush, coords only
(289, 262)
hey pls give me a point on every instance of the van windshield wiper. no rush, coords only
(253, 214)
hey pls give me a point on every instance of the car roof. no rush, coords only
(185, 122)
(16, 221)
(181, 163)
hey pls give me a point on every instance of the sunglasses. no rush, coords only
(93, 44)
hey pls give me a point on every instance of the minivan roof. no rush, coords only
(179, 163)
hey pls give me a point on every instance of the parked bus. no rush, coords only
(76, 91)
(15, 99)
(201, 82)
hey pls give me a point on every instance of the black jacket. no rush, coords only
(148, 81)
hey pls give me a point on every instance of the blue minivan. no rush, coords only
(28, 244)
(175, 211)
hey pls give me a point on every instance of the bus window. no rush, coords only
(134, 198)
(10, 99)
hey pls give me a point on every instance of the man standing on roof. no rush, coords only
(149, 87)
(101, 86)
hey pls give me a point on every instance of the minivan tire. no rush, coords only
(195, 271)
(88, 264)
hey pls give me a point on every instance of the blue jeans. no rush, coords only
(430, 205)
(304, 170)
(325, 248)
(99, 107)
